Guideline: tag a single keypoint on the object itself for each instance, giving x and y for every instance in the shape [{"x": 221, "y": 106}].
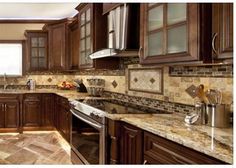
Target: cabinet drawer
[
  {"x": 32, "y": 97},
  {"x": 164, "y": 151},
  {"x": 9, "y": 96}
]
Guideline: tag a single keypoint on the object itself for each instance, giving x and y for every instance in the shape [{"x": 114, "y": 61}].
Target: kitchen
[{"x": 116, "y": 83}]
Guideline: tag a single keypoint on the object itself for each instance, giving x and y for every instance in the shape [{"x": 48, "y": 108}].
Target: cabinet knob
[
  {"x": 213, "y": 43},
  {"x": 145, "y": 162}
]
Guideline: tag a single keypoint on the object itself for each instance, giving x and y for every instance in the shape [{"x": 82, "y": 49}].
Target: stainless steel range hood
[{"x": 122, "y": 41}]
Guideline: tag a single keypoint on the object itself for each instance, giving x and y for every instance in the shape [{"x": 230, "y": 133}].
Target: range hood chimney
[{"x": 123, "y": 33}]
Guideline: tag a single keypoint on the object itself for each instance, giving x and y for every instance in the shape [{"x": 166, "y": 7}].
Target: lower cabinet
[
  {"x": 158, "y": 150},
  {"x": 32, "y": 112},
  {"x": 131, "y": 145},
  {"x": 136, "y": 146},
  {"x": 48, "y": 110},
  {"x": 9, "y": 112},
  {"x": 63, "y": 117}
]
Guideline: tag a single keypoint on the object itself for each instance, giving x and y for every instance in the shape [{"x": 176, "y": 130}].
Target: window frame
[{"x": 22, "y": 42}]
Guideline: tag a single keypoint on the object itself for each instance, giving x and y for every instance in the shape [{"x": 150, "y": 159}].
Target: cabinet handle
[
  {"x": 145, "y": 162},
  {"x": 177, "y": 160},
  {"x": 5, "y": 107},
  {"x": 140, "y": 50},
  {"x": 213, "y": 43}
]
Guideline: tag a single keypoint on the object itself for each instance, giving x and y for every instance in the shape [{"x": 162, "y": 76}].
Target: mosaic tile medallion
[{"x": 146, "y": 80}]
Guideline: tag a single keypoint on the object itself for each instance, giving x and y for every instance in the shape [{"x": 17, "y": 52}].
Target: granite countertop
[
  {"x": 69, "y": 94},
  {"x": 214, "y": 142}
]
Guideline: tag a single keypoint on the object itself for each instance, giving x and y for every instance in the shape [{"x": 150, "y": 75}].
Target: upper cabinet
[
  {"x": 169, "y": 32},
  {"x": 74, "y": 45},
  {"x": 93, "y": 36},
  {"x": 37, "y": 50},
  {"x": 222, "y": 30},
  {"x": 58, "y": 46}
]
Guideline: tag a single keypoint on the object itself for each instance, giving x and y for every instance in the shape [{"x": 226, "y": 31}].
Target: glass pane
[
  {"x": 82, "y": 57},
  {"x": 41, "y": 41},
  {"x": 88, "y": 15},
  {"x": 34, "y": 52},
  {"x": 176, "y": 12},
  {"x": 41, "y": 52},
  {"x": 34, "y": 42},
  {"x": 155, "y": 18},
  {"x": 155, "y": 44},
  {"x": 88, "y": 59},
  {"x": 82, "y": 32},
  {"x": 82, "y": 45},
  {"x": 82, "y": 18},
  {"x": 42, "y": 63},
  {"x": 34, "y": 62},
  {"x": 88, "y": 42},
  {"x": 177, "y": 39},
  {"x": 88, "y": 29}
]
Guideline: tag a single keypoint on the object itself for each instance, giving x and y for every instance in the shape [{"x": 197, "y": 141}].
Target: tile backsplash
[{"x": 174, "y": 86}]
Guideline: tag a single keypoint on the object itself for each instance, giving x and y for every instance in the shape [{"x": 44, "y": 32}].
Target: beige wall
[{"x": 16, "y": 31}]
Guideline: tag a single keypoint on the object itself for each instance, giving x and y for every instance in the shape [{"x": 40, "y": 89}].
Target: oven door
[{"x": 87, "y": 138}]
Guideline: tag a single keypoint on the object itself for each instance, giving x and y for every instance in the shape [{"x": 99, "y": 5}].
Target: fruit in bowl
[{"x": 65, "y": 85}]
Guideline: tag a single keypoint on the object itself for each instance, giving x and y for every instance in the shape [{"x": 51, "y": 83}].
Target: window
[{"x": 11, "y": 58}]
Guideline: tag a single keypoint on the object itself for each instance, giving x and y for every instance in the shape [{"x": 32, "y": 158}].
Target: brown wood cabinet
[
  {"x": 158, "y": 150},
  {"x": 32, "y": 111},
  {"x": 74, "y": 45},
  {"x": 131, "y": 145},
  {"x": 48, "y": 110},
  {"x": 173, "y": 33},
  {"x": 222, "y": 30},
  {"x": 107, "y": 7},
  {"x": 63, "y": 118},
  {"x": 9, "y": 112},
  {"x": 58, "y": 45},
  {"x": 93, "y": 37},
  {"x": 37, "y": 50}
]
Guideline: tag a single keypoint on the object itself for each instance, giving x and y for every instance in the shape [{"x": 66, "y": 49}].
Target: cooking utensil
[{"x": 201, "y": 94}]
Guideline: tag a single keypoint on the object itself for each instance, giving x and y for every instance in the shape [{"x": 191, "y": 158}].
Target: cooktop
[{"x": 113, "y": 106}]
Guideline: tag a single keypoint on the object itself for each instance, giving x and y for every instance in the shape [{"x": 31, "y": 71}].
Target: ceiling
[{"x": 37, "y": 11}]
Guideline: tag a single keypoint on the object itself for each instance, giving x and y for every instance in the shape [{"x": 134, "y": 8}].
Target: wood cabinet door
[
  {"x": 12, "y": 114},
  {"x": 32, "y": 112},
  {"x": 222, "y": 25},
  {"x": 57, "y": 47},
  {"x": 85, "y": 23},
  {"x": 62, "y": 122},
  {"x": 37, "y": 50},
  {"x": 2, "y": 115},
  {"x": 131, "y": 145},
  {"x": 169, "y": 32},
  {"x": 47, "y": 110}
]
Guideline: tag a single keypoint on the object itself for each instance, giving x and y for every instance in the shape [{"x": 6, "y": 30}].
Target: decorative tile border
[
  {"x": 145, "y": 80},
  {"x": 202, "y": 71},
  {"x": 152, "y": 103}
]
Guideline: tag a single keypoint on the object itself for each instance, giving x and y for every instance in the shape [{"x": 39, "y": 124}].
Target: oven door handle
[{"x": 88, "y": 122}]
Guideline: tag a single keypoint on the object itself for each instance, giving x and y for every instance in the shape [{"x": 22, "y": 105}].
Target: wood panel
[
  {"x": 58, "y": 46},
  {"x": 131, "y": 145},
  {"x": 47, "y": 110},
  {"x": 222, "y": 25},
  {"x": 163, "y": 151},
  {"x": 32, "y": 116},
  {"x": 12, "y": 114},
  {"x": 2, "y": 115},
  {"x": 107, "y": 7}
]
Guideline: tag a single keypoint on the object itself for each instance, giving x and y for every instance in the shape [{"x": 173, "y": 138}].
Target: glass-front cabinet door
[
  {"x": 168, "y": 32},
  {"x": 85, "y": 37},
  {"x": 37, "y": 50}
]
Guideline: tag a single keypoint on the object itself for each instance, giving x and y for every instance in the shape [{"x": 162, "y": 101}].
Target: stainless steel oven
[{"x": 88, "y": 137}]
